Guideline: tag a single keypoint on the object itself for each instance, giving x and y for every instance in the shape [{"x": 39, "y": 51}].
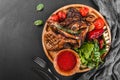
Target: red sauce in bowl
[{"x": 66, "y": 60}]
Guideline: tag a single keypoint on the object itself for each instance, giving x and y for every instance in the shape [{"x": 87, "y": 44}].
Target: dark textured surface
[{"x": 20, "y": 40}]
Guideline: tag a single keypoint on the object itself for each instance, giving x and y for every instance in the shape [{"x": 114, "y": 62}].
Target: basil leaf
[
  {"x": 40, "y": 7},
  {"x": 38, "y": 22}
]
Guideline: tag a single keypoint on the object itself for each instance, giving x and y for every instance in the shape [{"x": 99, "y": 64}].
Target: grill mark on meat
[{"x": 57, "y": 42}]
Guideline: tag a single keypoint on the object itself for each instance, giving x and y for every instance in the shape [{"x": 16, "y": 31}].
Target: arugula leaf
[{"x": 39, "y": 7}]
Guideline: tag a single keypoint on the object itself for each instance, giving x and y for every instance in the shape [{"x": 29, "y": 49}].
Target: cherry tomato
[
  {"x": 99, "y": 23},
  {"x": 84, "y": 11},
  {"x": 54, "y": 17},
  {"x": 61, "y": 15}
]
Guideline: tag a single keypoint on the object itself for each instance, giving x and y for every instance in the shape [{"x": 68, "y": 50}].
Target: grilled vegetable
[
  {"x": 90, "y": 18},
  {"x": 66, "y": 30},
  {"x": 95, "y": 34},
  {"x": 99, "y": 23},
  {"x": 54, "y": 17},
  {"x": 101, "y": 43},
  {"x": 61, "y": 15},
  {"x": 84, "y": 11}
]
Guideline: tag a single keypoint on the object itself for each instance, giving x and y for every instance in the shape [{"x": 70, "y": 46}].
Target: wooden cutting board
[{"x": 107, "y": 35}]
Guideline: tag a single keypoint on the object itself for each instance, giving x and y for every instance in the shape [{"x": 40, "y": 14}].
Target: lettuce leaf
[
  {"x": 85, "y": 52},
  {"x": 90, "y": 54}
]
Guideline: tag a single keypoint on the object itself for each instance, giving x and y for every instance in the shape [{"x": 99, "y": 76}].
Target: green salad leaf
[
  {"x": 85, "y": 52},
  {"x": 86, "y": 49},
  {"x": 102, "y": 51},
  {"x": 90, "y": 54},
  {"x": 96, "y": 48}
]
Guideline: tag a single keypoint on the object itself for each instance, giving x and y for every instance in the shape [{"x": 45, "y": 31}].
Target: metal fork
[{"x": 43, "y": 64}]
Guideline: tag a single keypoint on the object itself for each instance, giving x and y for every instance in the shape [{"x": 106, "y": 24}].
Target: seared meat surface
[
  {"x": 73, "y": 15},
  {"x": 57, "y": 41},
  {"x": 69, "y": 33}
]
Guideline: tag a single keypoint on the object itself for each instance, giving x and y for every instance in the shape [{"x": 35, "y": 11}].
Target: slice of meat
[
  {"x": 73, "y": 15},
  {"x": 79, "y": 43},
  {"x": 76, "y": 26},
  {"x": 72, "y": 12},
  {"x": 52, "y": 40},
  {"x": 58, "y": 30},
  {"x": 57, "y": 42},
  {"x": 66, "y": 22},
  {"x": 83, "y": 34},
  {"x": 67, "y": 35}
]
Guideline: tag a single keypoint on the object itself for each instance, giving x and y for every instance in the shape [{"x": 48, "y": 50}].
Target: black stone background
[{"x": 20, "y": 40}]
